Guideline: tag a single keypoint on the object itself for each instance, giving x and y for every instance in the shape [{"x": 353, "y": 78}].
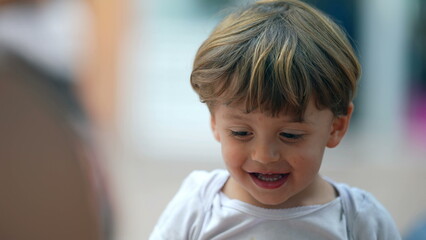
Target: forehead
[{"x": 237, "y": 112}]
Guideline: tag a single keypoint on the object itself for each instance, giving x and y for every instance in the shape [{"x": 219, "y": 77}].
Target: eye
[
  {"x": 241, "y": 134},
  {"x": 291, "y": 136}
]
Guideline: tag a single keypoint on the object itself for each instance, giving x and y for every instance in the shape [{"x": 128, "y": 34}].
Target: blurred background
[{"x": 115, "y": 75}]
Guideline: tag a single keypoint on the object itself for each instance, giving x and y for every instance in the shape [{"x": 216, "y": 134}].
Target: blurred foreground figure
[
  {"x": 51, "y": 185},
  {"x": 48, "y": 184}
]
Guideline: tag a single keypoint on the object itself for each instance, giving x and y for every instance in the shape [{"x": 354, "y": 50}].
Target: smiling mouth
[
  {"x": 269, "y": 180},
  {"x": 268, "y": 177}
]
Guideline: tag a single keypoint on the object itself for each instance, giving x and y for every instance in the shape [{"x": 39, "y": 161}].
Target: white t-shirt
[{"x": 201, "y": 211}]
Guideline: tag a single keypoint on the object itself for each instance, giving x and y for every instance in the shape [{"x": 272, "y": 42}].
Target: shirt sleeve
[
  {"x": 372, "y": 220},
  {"x": 178, "y": 221}
]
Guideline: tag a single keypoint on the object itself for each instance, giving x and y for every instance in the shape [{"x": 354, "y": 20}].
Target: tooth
[{"x": 264, "y": 177}]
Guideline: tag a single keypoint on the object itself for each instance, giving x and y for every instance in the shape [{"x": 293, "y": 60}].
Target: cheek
[
  {"x": 233, "y": 154},
  {"x": 307, "y": 158},
  {"x": 315, "y": 147}
]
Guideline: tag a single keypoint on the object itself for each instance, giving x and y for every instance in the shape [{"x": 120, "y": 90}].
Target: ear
[
  {"x": 339, "y": 127},
  {"x": 214, "y": 128}
]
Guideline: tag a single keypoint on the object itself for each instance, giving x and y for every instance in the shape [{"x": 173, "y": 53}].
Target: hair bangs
[{"x": 268, "y": 78}]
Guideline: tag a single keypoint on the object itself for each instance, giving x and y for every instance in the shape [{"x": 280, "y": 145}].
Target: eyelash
[
  {"x": 244, "y": 135},
  {"x": 240, "y": 133},
  {"x": 291, "y": 136}
]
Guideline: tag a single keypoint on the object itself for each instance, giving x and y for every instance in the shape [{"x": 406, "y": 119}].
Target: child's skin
[{"x": 287, "y": 152}]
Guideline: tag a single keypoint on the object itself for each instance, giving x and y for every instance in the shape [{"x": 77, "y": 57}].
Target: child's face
[{"x": 274, "y": 161}]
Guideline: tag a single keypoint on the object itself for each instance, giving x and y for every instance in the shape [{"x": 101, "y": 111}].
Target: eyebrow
[{"x": 235, "y": 116}]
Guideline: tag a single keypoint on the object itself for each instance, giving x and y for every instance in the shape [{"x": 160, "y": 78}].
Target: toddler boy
[{"x": 278, "y": 78}]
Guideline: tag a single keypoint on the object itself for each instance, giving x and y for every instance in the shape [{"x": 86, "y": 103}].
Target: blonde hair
[{"x": 274, "y": 55}]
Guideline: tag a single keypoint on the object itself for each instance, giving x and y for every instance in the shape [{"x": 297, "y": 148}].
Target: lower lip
[{"x": 269, "y": 185}]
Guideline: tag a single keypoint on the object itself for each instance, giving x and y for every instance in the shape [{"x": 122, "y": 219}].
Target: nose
[{"x": 265, "y": 152}]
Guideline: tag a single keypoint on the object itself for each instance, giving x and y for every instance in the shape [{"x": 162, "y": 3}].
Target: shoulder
[
  {"x": 201, "y": 178},
  {"x": 367, "y": 218},
  {"x": 203, "y": 184},
  {"x": 199, "y": 184},
  {"x": 180, "y": 219}
]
